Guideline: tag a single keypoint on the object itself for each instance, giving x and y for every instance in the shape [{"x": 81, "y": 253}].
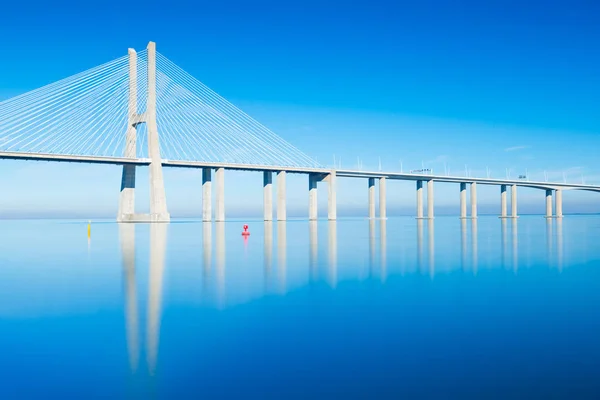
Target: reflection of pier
[
  {"x": 463, "y": 243},
  {"x": 515, "y": 248},
  {"x": 206, "y": 253},
  {"x": 220, "y": 260},
  {"x": 127, "y": 239},
  {"x": 313, "y": 251},
  {"x": 559, "y": 243},
  {"x": 268, "y": 253},
  {"x": 158, "y": 242},
  {"x": 371, "y": 247},
  {"x": 420, "y": 245},
  {"x": 281, "y": 255},
  {"x": 383, "y": 248},
  {"x": 464, "y": 252},
  {"x": 474, "y": 251},
  {"x": 333, "y": 253},
  {"x": 554, "y": 243},
  {"x": 503, "y": 243},
  {"x": 549, "y": 241},
  {"x": 430, "y": 247}
]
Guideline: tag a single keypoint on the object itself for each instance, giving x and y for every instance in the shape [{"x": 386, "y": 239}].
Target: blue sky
[{"x": 496, "y": 84}]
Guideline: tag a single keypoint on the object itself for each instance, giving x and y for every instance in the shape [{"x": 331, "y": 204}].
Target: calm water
[{"x": 353, "y": 309}]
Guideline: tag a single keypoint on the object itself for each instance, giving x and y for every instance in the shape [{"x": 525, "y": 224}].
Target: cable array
[
  {"x": 85, "y": 114},
  {"x": 195, "y": 123}
]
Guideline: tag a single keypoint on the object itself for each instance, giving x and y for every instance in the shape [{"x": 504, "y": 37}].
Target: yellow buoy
[{"x": 89, "y": 228}]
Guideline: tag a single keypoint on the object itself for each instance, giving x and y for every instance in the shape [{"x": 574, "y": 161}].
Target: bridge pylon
[{"x": 158, "y": 202}]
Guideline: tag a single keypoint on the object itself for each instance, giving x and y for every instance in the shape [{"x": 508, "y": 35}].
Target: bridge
[{"x": 142, "y": 110}]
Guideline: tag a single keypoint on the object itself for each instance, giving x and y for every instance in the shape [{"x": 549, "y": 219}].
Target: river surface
[{"x": 443, "y": 309}]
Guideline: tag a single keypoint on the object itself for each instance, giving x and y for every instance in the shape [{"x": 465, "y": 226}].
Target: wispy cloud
[
  {"x": 516, "y": 148},
  {"x": 438, "y": 159}
]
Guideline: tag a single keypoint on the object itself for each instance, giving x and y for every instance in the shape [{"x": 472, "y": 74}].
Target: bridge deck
[{"x": 346, "y": 173}]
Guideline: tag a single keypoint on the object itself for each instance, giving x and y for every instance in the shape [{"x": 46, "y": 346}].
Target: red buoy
[{"x": 245, "y": 232}]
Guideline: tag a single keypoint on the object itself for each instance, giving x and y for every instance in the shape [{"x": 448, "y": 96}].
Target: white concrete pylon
[
  {"x": 474, "y": 200},
  {"x": 463, "y": 200},
  {"x": 281, "y": 196},
  {"x": 206, "y": 194},
  {"x": 382, "y": 198},
  {"x": 158, "y": 201},
  {"x": 371, "y": 198},
  {"x": 419, "y": 199},
  {"x": 312, "y": 197},
  {"x": 268, "y": 195},
  {"x": 127, "y": 196}
]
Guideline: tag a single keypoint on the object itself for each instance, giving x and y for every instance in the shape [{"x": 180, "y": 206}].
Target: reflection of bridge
[
  {"x": 105, "y": 115},
  {"x": 422, "y": 256}
]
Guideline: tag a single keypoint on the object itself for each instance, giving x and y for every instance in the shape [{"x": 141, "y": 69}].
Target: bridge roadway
[{"x": 346, "y": 173}]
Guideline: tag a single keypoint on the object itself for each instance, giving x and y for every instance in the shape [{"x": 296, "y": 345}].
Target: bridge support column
[
  {"x": 332, "y": 198},
  {"x": 474, "y": 200},
  {"x": 558, "y": 205},
  {"x": 371, "y": 198},
  {"x": 382, "y": 198},
  {"x": 312, "y": 197},
  {"x": 549, "y": 203},
  {"x": 158, "y": 201},
  {"x": 430, "y": 199},
  {"x": 513, "y": 201},
  {"x": 220, "y": 205},
  {"x": 503, "y": 201},
  {"x": 281, "y": 207},
  {"x": 268, "y": 195},
  {"x": 419, "y": 199},
  {"x": 206, "y": 195},
  {"x": 463, "y": 200},
  {"x": 127, "y": 196}
]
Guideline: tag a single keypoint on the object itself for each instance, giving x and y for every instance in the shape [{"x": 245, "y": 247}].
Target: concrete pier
[
  {"x": 513, "y": 201},
  {"x": 332, "y": 199},
  {"x": 474, "y": 200},
  {"x": 503, "y": 201},
  {"x": 382, "y": 198},
  {"x": 371, "y": 198},
  {"x": 220, "y": 200},
  {"x": 281, "y": 207},
  {"x": 268, "y": 195},
  {"x": 549, "y": 204},
  {"x": 206, "y": 195},
  {"x": 558, "y": 204},
  {"x": 430, "y": 199},
  {"x": 158, "y": 201},
  {"x": 463, "y": 200},
  {"x": 127, "y": 196},
  {"x": 312, "y": 197},
  {"x": 419, "y": 199}
]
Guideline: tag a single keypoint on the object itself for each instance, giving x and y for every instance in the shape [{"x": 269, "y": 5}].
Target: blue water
[{"x": 444, "y": 309}]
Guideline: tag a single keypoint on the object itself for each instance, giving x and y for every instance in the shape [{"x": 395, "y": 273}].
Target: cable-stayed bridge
[{"x": 143, "y": 110}]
